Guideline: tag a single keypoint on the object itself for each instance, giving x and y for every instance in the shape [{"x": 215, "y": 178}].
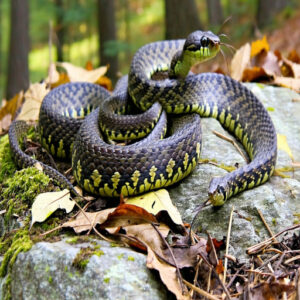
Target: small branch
[
  {"x": 230, "y": 140},
  {"x": 200, "y": 291},
  {"x": 227, "y": 244},
  {"x": 254, "y": 249},
  {"x": 266, "y": 224},
  {"x": 172, "y": 255}
]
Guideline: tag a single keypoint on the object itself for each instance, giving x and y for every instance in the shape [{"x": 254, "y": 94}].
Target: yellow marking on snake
[
  {"x": 135, "y": 177},
  {"x": 74, "y": 114},
  {"x": 96, "y": 178},
  {"x": 52, "y": 149},
  {"x": 152, "y": 173},
  {"x": 227, "y": 120},
  {"x": 170, "y": 167},
  {"x": 79, "y": 170},
  {"x": 115, "y": 179},
  {"x": 61, "y": 153},
  {"x": 186, "y": 160},
  {"x": 215, "y": 111}
]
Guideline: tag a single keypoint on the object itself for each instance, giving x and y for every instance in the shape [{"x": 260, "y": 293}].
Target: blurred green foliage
[{"x": 137, "y": 22}]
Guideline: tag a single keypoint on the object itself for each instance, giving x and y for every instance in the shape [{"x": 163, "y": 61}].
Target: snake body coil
[{"x": 151, "y": 163}]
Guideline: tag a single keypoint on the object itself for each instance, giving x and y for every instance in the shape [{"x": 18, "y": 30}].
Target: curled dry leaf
[
  {"x": 33, "y": 99},
  {"x": 85, "y": 221},
  {"x": 259, "y": 46},
  {"x": 47, "y": 203},
  {"x": 155, "y": 202},
  {"x": 80, "y": 74},
  {"x": 240, "y": 61},
  {"x": 128, "y": 214},
  {"x": 11, "y": 106}
]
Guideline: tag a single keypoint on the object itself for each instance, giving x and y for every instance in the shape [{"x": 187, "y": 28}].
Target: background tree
[
  {"x": 59, "y": 29},
  {"x": 0, "y": 39},
  {"x": 266, "y": 10},
  {"x": 18, "y": 74},
  {"x": 181, "y": 18},
  {"x": 107, "y": 34},
  {"x": 215, "y": 12}
]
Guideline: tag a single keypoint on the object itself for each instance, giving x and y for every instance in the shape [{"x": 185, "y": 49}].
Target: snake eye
[
  {"x": 204, "y": 41},
  {"x": 192, "y": 47}
]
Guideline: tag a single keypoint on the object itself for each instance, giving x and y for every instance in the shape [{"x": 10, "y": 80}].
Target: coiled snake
[{"x": 110, "y": 170}]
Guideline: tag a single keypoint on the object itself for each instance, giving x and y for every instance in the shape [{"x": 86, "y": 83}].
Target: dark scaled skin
[{"x": 111, "y": 170}]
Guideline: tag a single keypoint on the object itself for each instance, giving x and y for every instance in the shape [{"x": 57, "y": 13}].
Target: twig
[
  {"x": 172, "y": 255},
  {"x": 260, "y": 273},
  {"x": 200, "y": 291},
  {"x": 298, "y": 284},
  {"x": 230, "y": 140},
  {"x": 196, "y": 273},
  {"x": 221, "y": 283},
  {"x": 266, "y": 224},
  {"x": 292, "y": 259},
  {"x": 234, "y": 277},
  {"x": 257, "y": 247},
  {"x": 227, "y": 244},
  {"x": 209, "y": 280}
]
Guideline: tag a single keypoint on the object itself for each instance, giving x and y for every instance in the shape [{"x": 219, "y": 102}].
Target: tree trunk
[
  {"x": 266, "y": 9},
  {"x": 107, "y": 32},
  {"x": 1, "y": 60},
  {"x": 215, "y": 12},
  {"x": 60, "y": 30},
  {"x": 181, "y": 18},
  {"x": 18, "y": 73}
]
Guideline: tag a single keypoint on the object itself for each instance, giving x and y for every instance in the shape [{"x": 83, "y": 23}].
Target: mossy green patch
[
  {"x": 7, "y": 166},
  {"x": 6, "y": 289},
  {"x": 19, "y": 191},
  {"x": 83, "y": 256},
  {"x": 22, "y": 186},
  {"x": 106, "y": 279},
  {"x": 130, "y": 258},
  {"x": 21, "y": 242}
]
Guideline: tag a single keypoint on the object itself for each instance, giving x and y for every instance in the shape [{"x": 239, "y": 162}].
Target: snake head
[
  {"x": 218, "y": 192},
  {"x": 202, "y": 45},
  {"x": 198, "y": 47}
]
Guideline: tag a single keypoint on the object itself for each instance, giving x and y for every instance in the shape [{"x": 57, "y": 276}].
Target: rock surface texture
[{"x": 46, "y": 271}]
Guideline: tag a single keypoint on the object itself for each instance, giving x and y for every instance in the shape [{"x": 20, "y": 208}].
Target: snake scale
[{"x": 107, "y": 169}]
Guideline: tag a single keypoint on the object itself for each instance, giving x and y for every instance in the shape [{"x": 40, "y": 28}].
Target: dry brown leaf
[
  {"x": 80, "y": 74},
  {"x": 294, "y": 57},
  {"x": 128, "y": 214},
  {"x": 292, "y": 83},
  {"x": 86, "y": 221},
  {"x": 187, "y": 257},
  {"x": 5, "y": 123},
  {"x": 294, "y": 67},
  {"x": 167, "y": 274},
  {"x": 269, "y": 62},
  {"x": 240, "y": 61},
  {"x": 156, "y": 202},
  {"x": 250, "y": 74},
  {"x": 33, "y": 99},
  {"x": 53, "y": 75},
  {"x": 105, "y": 82},
  {"x": 11, "y": 106},
  {"x": 147, "y": 234},
  {"x": 63, "y": 78},
  {"x": 259, "y": 46}
]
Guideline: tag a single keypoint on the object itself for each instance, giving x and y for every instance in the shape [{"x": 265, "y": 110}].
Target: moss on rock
[
  {"x": 21, "y": 242},
  {"x": 7, "y": 166}
]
